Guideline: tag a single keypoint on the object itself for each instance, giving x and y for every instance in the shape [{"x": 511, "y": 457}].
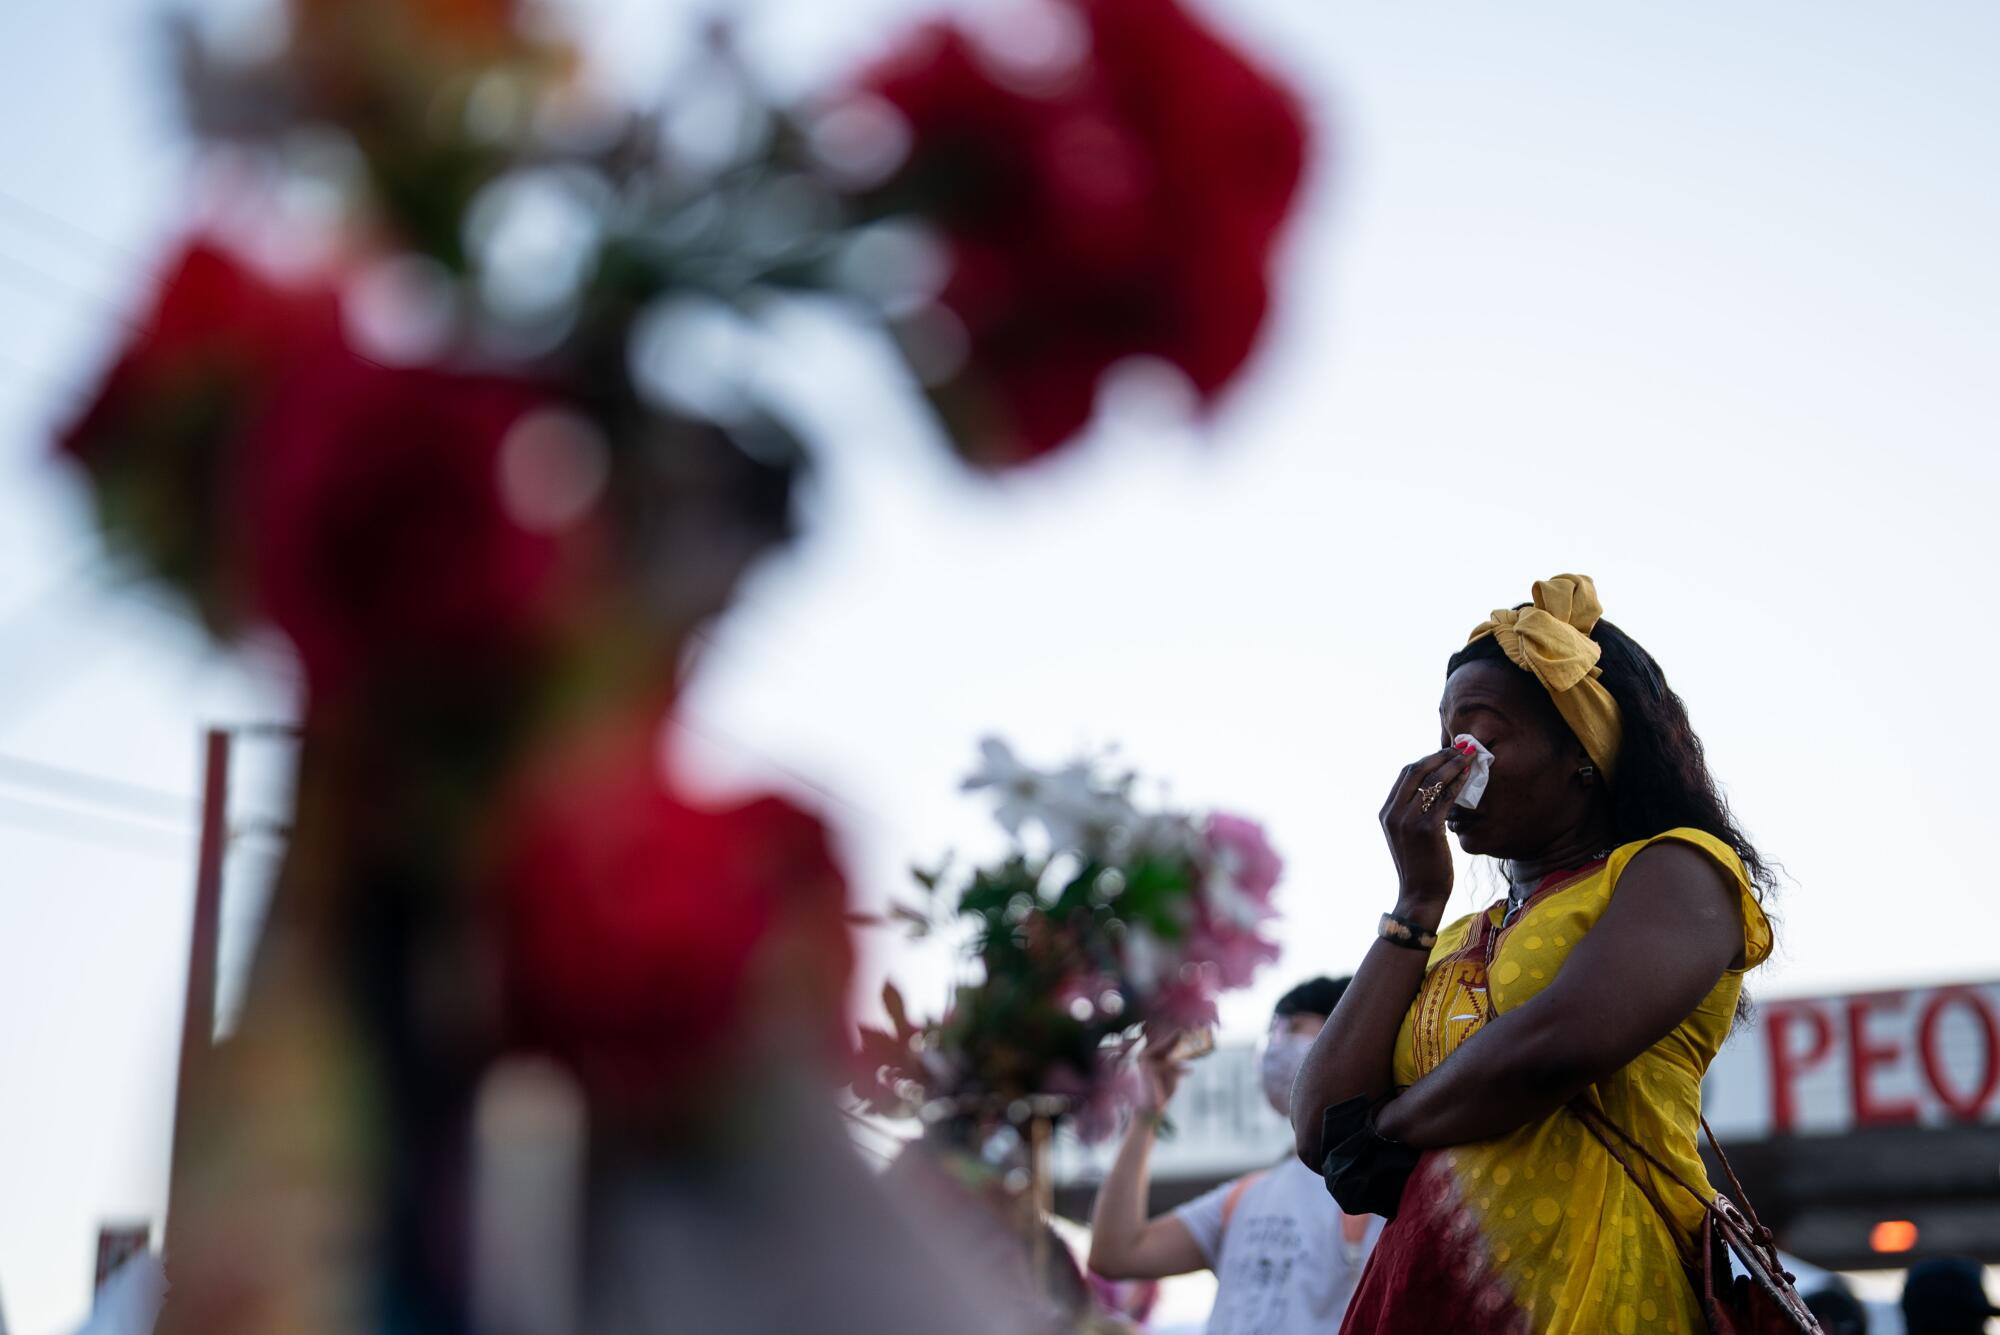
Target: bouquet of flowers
[
  {"x": 469, "y": 382},
  {"x": 1104, "y": 920},
  {"x": 466, "y": 385}
]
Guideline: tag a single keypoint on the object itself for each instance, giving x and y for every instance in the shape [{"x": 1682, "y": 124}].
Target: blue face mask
[{"x": 1284, "y": 1053}]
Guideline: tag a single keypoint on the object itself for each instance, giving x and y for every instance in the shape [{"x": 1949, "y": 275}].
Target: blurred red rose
[
  {"x": 380, "y": 540},
  {"x": 161, "y": 436},
  {"x": 242, "y": 449},
  {"x": 1127, "y": 206},
  {"x": 645, "y": 935}
]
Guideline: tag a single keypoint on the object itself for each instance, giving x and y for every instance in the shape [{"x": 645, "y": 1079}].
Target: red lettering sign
[
  {"x": 1965, "y": 1106},
  {"x": 1865, "y": 1054},
  {"x": 1786, "y": 1066}
]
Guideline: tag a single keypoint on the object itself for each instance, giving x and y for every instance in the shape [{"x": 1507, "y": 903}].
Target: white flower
[
  {"x": 1019, "y": 786},
  {"x": 1075, "y": 807},
  {"x": 1079, "y": 811}
]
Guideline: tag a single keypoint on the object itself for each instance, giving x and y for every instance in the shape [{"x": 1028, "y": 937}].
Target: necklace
[{"x": 1518, "y": 896}]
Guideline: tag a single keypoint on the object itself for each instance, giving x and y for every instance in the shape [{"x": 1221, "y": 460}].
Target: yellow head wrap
[{"x": 1551, "y": 640}]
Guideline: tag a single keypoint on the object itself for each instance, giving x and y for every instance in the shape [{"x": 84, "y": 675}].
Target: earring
[{"x": 1588, "y": 774}]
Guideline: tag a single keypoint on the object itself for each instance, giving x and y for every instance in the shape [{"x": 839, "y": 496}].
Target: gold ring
[{"x": 1430, "y": 794}]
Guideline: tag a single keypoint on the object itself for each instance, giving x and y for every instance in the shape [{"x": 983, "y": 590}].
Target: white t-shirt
[{"x": 1282, "y": 1265}]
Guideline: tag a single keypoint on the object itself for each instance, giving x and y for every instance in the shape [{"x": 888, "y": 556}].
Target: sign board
[
  {"x": 1803, "y": 1066},
  {"x": 1820, "y": 1066}
]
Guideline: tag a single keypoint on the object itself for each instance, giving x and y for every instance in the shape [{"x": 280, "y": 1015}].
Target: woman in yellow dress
[{"x": 1508, "y": 1087}]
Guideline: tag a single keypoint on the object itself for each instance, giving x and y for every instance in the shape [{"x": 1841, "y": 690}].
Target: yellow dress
[{"x": 1541, "y": 1230}]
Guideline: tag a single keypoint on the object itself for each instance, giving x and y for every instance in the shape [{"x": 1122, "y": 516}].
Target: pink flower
[
  {"x": 1188, "y": 1002},
  {"x": 1240, "y": 849},
  {"x": 1234, "y": 952},
  {"x": 1115, "y": 1089}
]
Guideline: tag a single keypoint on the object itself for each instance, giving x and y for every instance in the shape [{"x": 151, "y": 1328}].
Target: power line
[
  {"x": 29, "y": 278},
  {"x": 54, "y": 224},
  {"x": 92, "y": 828},
  {"x": 161, "y": 803}
]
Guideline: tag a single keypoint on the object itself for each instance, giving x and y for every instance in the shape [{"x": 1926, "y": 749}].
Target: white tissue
[{"x": 1482, "y": 766}]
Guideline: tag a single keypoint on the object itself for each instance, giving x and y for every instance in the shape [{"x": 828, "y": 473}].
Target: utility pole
[{"x": 198, "y": 1015}]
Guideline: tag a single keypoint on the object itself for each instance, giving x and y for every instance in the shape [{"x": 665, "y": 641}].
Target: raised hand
[{"x": 1413, "y": 822}]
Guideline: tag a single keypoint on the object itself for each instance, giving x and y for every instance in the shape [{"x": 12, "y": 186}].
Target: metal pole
[{"x": 198, "y": 1014}]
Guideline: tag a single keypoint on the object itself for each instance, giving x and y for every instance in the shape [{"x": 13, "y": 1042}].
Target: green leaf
[
  {"x": 1076, "y": 895},
  {"x": 892, "y": 1001}
]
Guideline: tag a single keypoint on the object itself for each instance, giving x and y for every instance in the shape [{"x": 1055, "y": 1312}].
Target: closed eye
[{"x": 1463, "y": 719}]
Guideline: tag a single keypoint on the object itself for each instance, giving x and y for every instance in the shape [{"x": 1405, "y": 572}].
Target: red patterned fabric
[{"x": 1430, "y": 1271}]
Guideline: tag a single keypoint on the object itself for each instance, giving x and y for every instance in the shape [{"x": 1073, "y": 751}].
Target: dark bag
[
  {"x": 1760, "y": 1301},
  {"x": 1364, "y": 1171}
]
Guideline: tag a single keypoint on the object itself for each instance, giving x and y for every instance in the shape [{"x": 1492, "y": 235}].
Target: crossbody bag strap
[
  {"x": 1741, "y": 1199},
  {"x": 1596, "y": 1122},
  {"x": 1235, "y": 1196}
]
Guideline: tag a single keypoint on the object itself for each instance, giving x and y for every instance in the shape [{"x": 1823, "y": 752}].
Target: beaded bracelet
[{"x": 1402, "y": 932}]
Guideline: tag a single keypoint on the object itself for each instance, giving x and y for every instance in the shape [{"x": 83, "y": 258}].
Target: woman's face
[{"x": 1533, "y": 799}]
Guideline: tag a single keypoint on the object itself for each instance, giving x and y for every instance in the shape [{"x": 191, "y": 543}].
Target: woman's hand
[
  {"x": 1124, "y": 1243},
  {"x": 1413, "y": 821},
  {"x": 1353, "y": 1057}
]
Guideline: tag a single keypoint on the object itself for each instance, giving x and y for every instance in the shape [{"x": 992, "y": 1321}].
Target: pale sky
[{"x": 1700, "y": 300}]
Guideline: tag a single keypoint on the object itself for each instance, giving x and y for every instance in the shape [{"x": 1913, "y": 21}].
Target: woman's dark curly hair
[{"x": 1663, "y": 780}]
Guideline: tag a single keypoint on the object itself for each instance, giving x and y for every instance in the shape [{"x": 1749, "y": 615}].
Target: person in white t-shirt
[{"x": 1285, "y": 1258}]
